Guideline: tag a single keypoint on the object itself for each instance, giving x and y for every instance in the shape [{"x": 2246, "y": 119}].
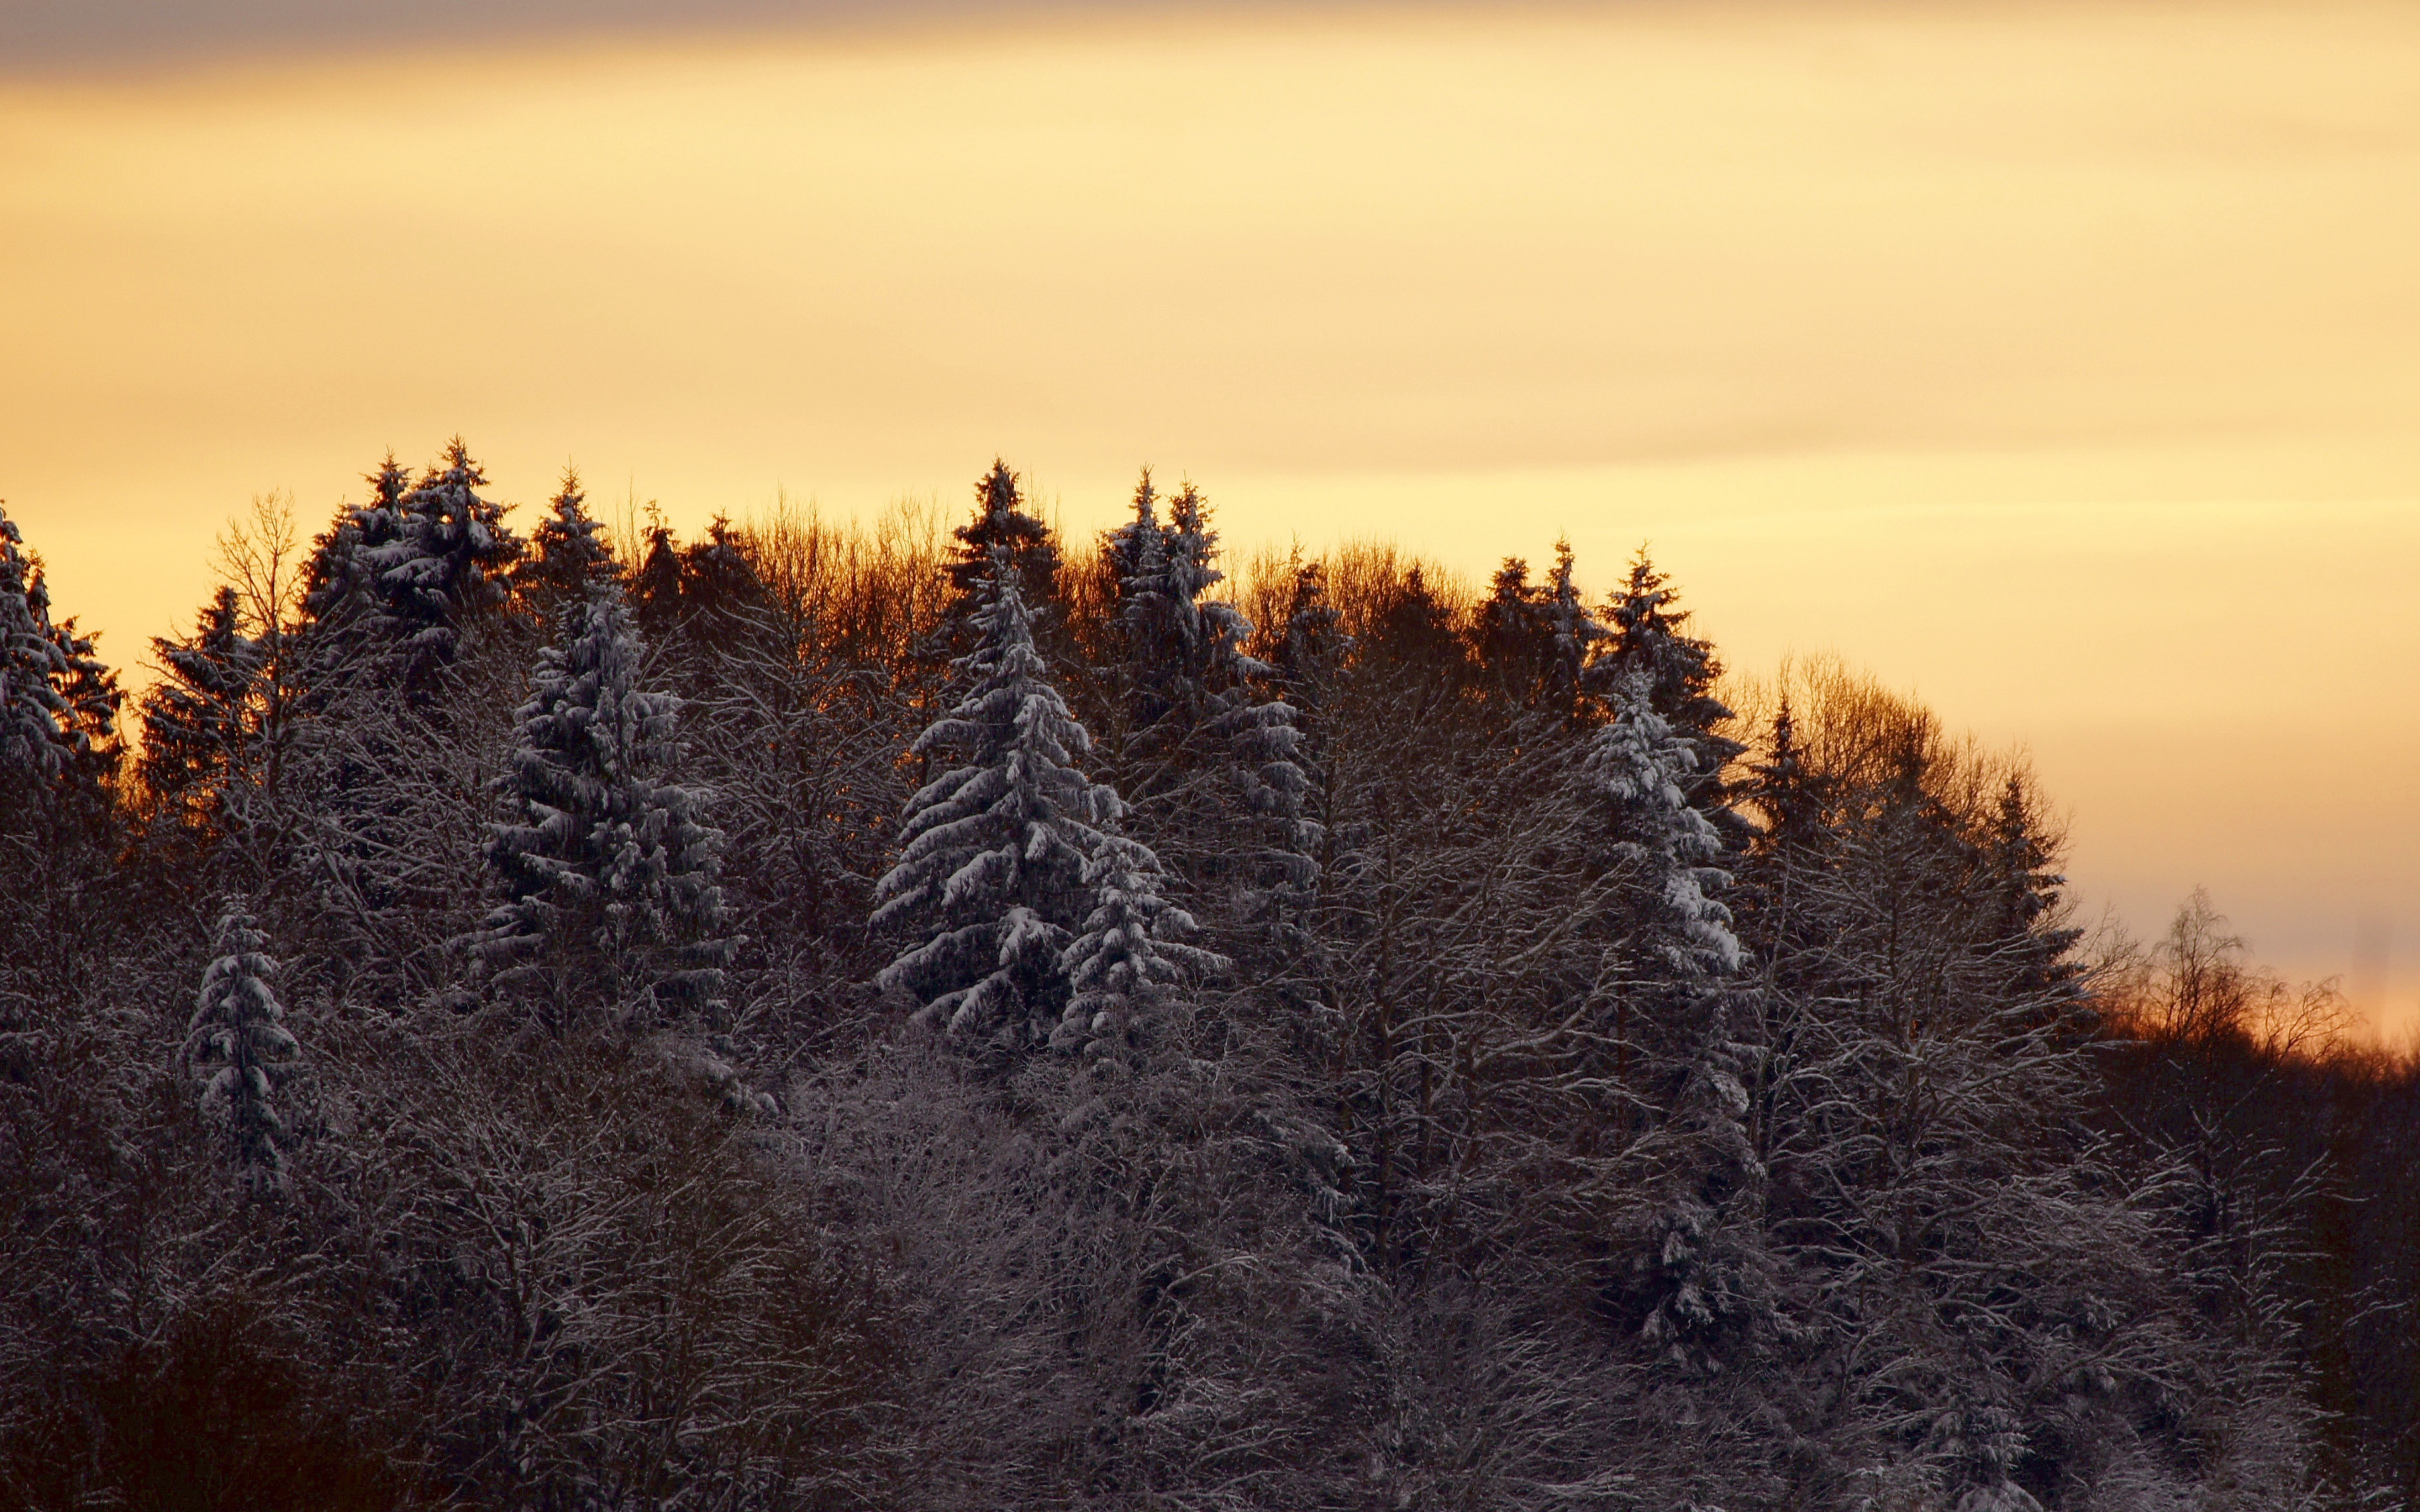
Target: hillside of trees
[{"x": 927, "y": 1014}]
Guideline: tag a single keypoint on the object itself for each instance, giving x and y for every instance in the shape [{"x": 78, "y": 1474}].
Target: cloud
[{"x": 39, "y": 35}]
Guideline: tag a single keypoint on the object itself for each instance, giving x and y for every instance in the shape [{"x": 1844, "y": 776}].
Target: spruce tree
[
  {"x": 1215, "y": 774},
  {"x": 242, "y": 1053},
  {"x": 989, "y": 886},
  {"x": 1707, "y": 1278},
  {"x": 1664, "y": 849},
  {"x": 656, "y": 585},
  {"x": 448, "y": 563},
  {"x": 394, "y": 580},
  {"x": 1573, "y": 635},
  {"x": 195, "y": 718},
  {"x": 1508, "y": 632},
  {"x": 1132, "y": 950},
  {"x": 342, "y": 601},
  {"x": 1001, "y": 524},
  {"x": 58, "y": 702},
  {"x": 609, "y": 873},
  {"x": 1650, "y": 644},
  {"x": 568, "y": 556}
]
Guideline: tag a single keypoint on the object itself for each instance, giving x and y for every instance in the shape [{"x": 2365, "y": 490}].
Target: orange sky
[{"x": 2059, "y": 361}]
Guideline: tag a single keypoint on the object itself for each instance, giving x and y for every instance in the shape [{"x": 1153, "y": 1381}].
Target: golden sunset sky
[{"x": 2059, "y": 362}]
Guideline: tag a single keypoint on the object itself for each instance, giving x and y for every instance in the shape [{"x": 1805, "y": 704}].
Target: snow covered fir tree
[{"x": 939, "y": 1012}]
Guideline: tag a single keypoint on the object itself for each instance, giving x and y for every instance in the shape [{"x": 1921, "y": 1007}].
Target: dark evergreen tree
[
  {"x": 1572, "y": 638},
  {"x": 1650, "y": 641},
  {"x": 656, "y": 585},
  {"x": 608, "y": 869},
  {"x": 1211, "y": 769},
  {"x": 1001, "y": 524},
  {"x": 242, "y": 1054},
  {"x": 1663, "y": 848},
  {"x": 1132, "y": 950},
  {"x": 989, "y": 884},
  {"x": 1508, "y": 636},
  {"x": 568, "y": 556},
  {"x": 58, "y": 703},
  {"x": 394, "y": 580},
  {"x": 195, "y": 720}
]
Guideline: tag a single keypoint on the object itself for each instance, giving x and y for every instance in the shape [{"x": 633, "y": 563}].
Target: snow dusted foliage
[
  {"x": 57, "y": 699},
  {"x": 608, "y": 871},
  {"x": 195, "y": 720},
  {"x": 394, "y": 580},
  {"x": 1534, "y": 641},
  {"x": 1707, "y": 1276},
  {"x": 990, "y": 883},
  {"x": 1650, "y": 642},
  {"x": 242, "y": 1053},
  {"x": 1133, "y": 947},
  {"x": 1214, "y": 767},
  {"x": 569, "y": 555},
  {"x": 1572, "y": 635},
  {"x": 1640, "y": 766},
  {"x": 1002, "y": 524}
]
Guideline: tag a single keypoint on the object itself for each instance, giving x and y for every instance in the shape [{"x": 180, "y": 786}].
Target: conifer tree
[
  {"x": 242, "y": 1053},
  {"x": 1708, "y": 1278},
  {"x": 1507, "y": 633},
  {"x": 2024, "y": 871},
  {"x": 341, "y": 594},
  {"x": 58, "y": 702},
  {"x": 1150, "y": 634},
  {"x": 656, "y": 585},
  {"x": 1003, "y": 524},
  {"x": 194, "y": 717},
  {"x": 1649, "y": 642},
  {"x": 607, "y": 869},
  {"x": 1573, "y": 634},
  {"x": 1133, "y": 947},
  {"x": 1665, "y": 846},
  {"x": 1311, "y": 644},
  {"x": 716, "y": 579},
  {"x": 394, "y": 579},
  {"x": 568, "y": 556},
  {"x": 989, "y": 886},
  {"x": 1219, "y": 777}
]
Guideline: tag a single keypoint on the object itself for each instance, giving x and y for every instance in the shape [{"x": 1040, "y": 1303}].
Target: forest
[{"x": 923, "y": 1012}]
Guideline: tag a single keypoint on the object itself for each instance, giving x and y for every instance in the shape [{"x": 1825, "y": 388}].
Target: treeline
[{"x": 895, "y": 1016}]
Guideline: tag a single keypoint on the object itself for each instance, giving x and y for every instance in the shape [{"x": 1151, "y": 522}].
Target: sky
[{"x": 2059, "y": 364}]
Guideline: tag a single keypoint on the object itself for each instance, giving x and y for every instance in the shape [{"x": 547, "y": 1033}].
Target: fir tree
[
  {"x": 58, "y": 702},
  {"x": 242, "y": 1053},
  {"x": 1149, "y": 632},
  {"x": 1572, "y": 635},
  {"x": 1649, "y": 643},
  {"x": 1311, "y": 644},
  {"x": 989, "y": 884},
  {"x": 1132, "y": 948},
  {"x": 1219, "y": 762},
  {"x": 1665, "y": 848},
  {"x": 608, "y": 872},
  {"x": 1708, "y": 1279},
  {"x": 195, "y": 720},
  {"x": 342, "y": 600},
  {"x": 717, "y": 580},
  {"x": 568, "y": 556},
  {"x": 1001, "y": 524},
  {"x": 2024, "y": 873},
  {"x": 394, "y": 580},
  {"x": 446, "y": 563},
  {"x": 656, "y": 586},
  {"x": 1508, "y": 631}
]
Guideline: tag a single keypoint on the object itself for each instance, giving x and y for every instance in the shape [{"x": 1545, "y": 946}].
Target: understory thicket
[{"x": 931, "y": 1014}]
